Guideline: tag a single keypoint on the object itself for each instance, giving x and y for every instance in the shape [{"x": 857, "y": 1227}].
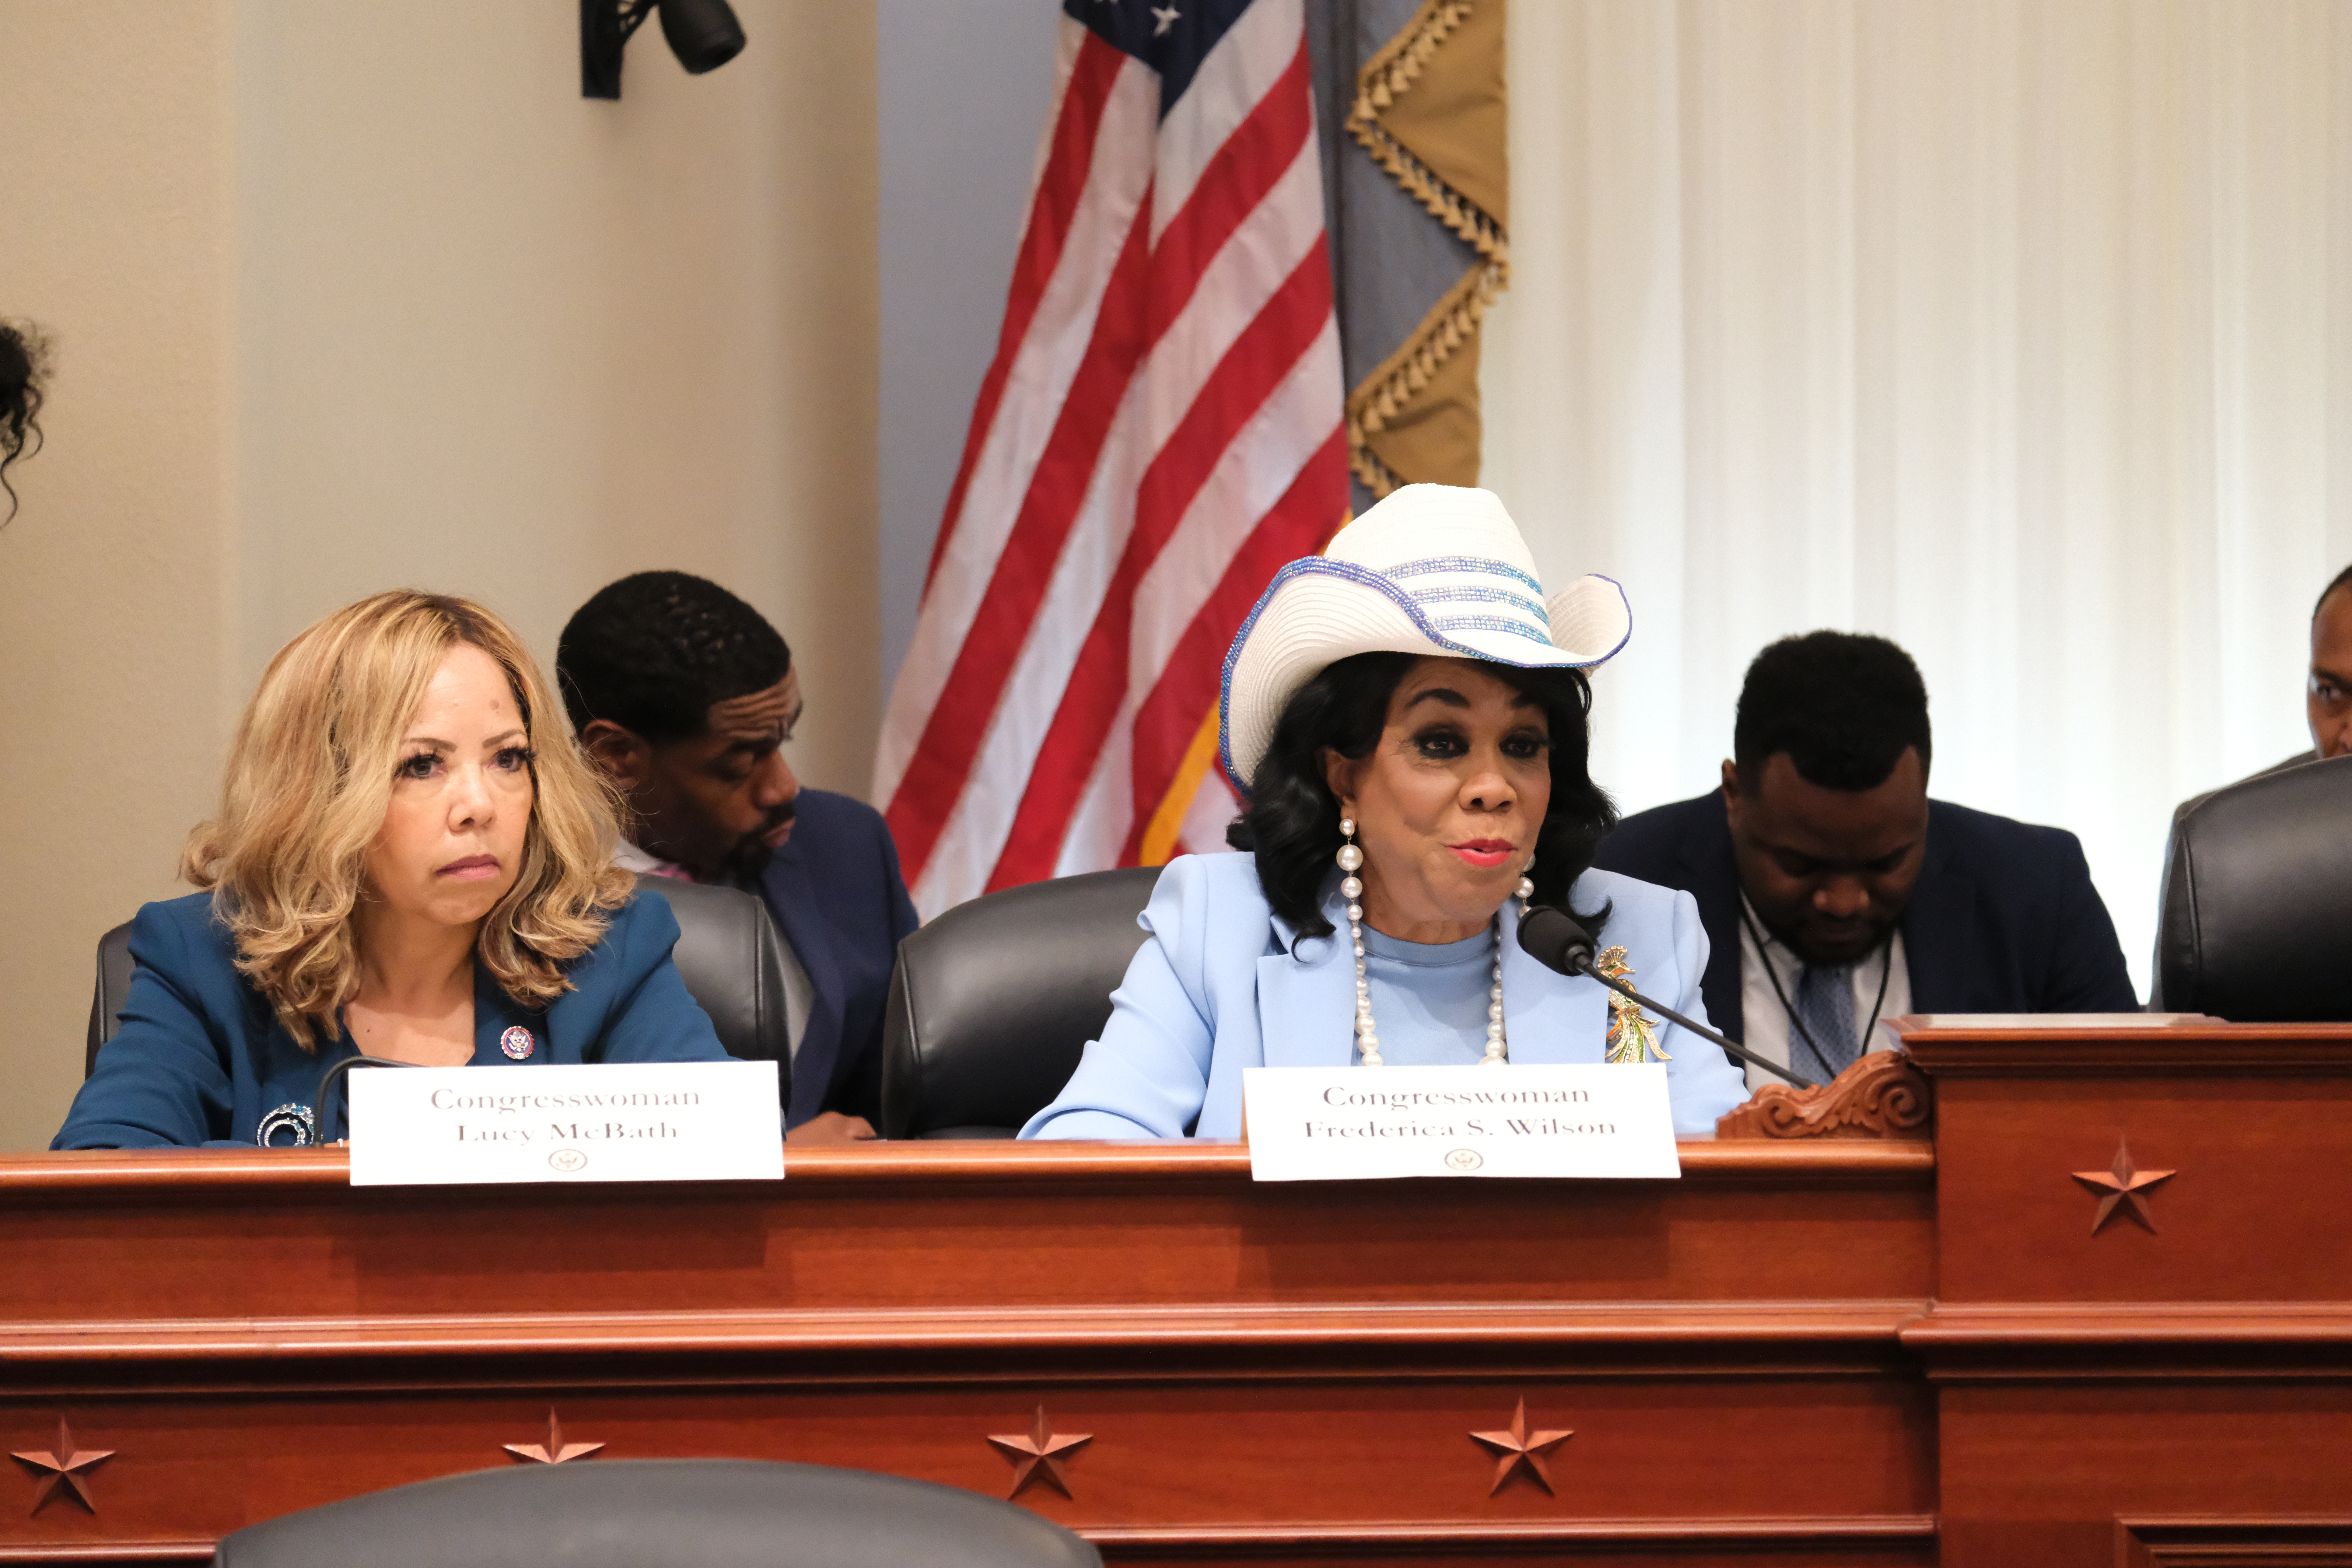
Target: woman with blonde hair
[{"x": 410, "y": 861}]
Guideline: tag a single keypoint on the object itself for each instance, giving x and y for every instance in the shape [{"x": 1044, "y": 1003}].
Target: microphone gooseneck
[
  {"x": 1556, "y": 940},
  {"x": 335, "y": 1074}
]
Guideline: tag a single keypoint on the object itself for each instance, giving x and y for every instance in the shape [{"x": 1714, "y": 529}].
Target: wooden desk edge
[
  {"x": 2050, "y": 1046},
  {"x": 1131, "y": 1541},
  {"x": 110, "y": 1169},
  {"x": 1357, "y": 1325}
]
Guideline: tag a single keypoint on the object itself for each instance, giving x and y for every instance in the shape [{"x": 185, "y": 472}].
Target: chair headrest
[
  {"x": 994, "y": 1002},
  {"x": 2257, "y": 923},
  {"x": 713, "y": 1514}
]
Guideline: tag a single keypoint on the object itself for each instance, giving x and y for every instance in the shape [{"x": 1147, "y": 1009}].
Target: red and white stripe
[{"x": 1159, "y": 432}]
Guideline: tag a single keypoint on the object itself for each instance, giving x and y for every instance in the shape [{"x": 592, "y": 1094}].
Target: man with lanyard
[{"x": 1836, "y": 895}]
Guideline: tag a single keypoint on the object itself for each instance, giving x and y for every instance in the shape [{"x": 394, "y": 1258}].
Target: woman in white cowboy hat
[{"x": 1405, "y": 716}]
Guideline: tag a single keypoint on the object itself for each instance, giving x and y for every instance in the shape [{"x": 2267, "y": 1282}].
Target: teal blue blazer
[
  {"x": 201, "y": 1058},
  {"x": 1223, "y": 984}
]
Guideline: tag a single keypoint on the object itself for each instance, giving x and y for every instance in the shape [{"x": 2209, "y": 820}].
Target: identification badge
[
  {"x": 644, "y": 1122},
  {"x": 1332, "y": 1124}
]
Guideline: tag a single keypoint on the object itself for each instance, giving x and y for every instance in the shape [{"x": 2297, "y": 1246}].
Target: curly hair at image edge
[
  {"x": 310, "y": 781},
  {"x": 24, "y": 384},
  {"x": 1292, "y": 819}
]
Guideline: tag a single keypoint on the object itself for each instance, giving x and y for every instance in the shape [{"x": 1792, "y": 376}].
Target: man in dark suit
[
  {"x": 1835, "y": 893},
  {"x": 2326, "y": 688},
  {"x": 685, "y": 695}
]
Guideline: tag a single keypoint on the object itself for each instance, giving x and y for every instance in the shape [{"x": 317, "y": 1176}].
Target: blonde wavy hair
[{"x": 309, "y": 785}]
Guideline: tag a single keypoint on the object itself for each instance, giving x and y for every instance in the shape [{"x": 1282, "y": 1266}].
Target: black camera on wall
[{"x": 703, "y": 34}]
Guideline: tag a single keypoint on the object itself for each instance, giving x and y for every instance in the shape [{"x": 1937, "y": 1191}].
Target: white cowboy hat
[{"x": 1438, "y": 570}]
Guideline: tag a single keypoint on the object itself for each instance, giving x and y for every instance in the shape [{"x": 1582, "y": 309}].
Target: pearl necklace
[{"x": 1367, "y": 1036}]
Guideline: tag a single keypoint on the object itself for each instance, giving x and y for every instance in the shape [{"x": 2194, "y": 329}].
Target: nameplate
[
  {"x": 657, "y": 1121},
  {"x": 1338, "y": 1124}
]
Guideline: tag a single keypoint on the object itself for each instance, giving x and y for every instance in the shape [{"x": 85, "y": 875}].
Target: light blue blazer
[{"x": 1217, "y": 988}]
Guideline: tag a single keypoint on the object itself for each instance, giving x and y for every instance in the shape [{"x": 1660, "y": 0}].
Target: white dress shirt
[
  {"x": 799, "y": 995},
  {"x": 1766, "y": 1019}
]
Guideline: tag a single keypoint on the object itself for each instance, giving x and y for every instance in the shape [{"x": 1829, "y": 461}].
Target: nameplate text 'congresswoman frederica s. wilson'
[
  {"x": 1353, "y": 1123},
  {"x": 641, "y": 1122}
]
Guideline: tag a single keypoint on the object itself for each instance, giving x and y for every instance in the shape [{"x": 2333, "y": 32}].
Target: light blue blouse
[
  {"x": 1429, "y": 999},
  {"x": 1222, "y": 985}
]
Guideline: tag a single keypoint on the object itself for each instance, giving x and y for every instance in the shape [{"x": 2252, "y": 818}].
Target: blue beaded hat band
[{"x": 1432, "y": 569}]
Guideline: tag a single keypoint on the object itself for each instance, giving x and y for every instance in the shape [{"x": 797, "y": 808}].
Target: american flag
[{"x": 1158, "y": 433}]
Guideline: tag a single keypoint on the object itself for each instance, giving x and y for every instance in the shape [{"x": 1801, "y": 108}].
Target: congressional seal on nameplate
[{"x": 1342, "y": 1123}]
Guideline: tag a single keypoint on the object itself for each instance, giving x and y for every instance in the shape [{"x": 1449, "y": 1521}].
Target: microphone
[
  {"x": 334, "y": 1074},
  {"x": 1554, "y": 939}
]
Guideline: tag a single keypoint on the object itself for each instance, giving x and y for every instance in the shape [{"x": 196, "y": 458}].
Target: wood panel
[
  {"x": 2248, "y": 1116},
  {"x": 2224, "y": 1542},
  {"x": 1197, "y": 1459},
  {"x": 1836, "y": 1350},
  {"x": 1269, "y": 1373},
  {"x": 278, "y": 1234},
  {"x": 2203, "y": 1366}
]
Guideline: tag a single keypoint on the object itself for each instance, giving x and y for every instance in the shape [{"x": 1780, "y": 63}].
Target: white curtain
[{"x": 2017, "y": 330}]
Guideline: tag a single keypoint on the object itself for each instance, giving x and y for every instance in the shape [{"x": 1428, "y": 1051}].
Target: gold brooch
[{"x": 1633, "y": 1036}]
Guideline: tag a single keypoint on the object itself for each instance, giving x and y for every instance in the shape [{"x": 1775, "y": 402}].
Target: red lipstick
[{"x": 1485, "y": 852}]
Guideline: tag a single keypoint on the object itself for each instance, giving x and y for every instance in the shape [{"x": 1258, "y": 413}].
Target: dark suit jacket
[
  {"x": 837, "y": 896},
  {"x": 2004, "y": 918},
  {"x": 201, "y": 1058}
]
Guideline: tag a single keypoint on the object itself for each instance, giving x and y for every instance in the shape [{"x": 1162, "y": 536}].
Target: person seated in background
[
  {"x": 1836, "y": 894},
  {"x": 24, "y": 370},
  {"x": 2326, "y": 688},
  {"x": 685, "y": 696},
  {"x": 410, "y": 861},
  {"x": 1408, "y": 716}
]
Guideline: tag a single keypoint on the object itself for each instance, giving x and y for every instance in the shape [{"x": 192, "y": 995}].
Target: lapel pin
[{"x": 516, "y": 1042}]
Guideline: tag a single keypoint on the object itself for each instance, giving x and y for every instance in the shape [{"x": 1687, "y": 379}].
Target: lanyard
[{"x": 1885, "y": 973}]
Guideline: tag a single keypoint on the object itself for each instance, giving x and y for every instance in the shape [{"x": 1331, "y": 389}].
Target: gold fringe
[
  {"x": 1384, "y": 393},
  {"x": 1385, "y": 78}
]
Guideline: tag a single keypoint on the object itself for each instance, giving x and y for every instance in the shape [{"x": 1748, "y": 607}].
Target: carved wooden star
[
  {"x": 555, "y": 1450},
  {"x": 1040, "y": 1452},
  {"x": 1518, "y": 1447},
  {"x": 64, "y": 1465},
  {"x": 2125, "y": 1186}
]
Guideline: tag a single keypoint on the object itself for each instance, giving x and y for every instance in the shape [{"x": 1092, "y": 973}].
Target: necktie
[{"x": 1825, "y": 1006}]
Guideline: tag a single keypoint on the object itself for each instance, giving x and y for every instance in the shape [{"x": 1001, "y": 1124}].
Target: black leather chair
[
  {"x": 992, "y": 1004},
  {"x": 661, "y": 1513},
  {"x": 729, "y": 954},
  {"x": 2257, "y": 924},
  {"x": 731, "y": 958},
  {"x": 113, "y": 986}
]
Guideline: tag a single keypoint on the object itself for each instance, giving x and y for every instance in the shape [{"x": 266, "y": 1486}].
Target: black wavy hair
[
  {"x": 24, "y": 382},
  {"x": 1292, "y": 824},
  {"x": 1842, "y": 705},
  {"x": 653, "y": 651}
]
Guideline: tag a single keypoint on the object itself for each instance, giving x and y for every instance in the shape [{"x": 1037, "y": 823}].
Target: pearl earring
[
  {"x": 1527, "y": 884},
  {"x": 1351, "y": 888}
]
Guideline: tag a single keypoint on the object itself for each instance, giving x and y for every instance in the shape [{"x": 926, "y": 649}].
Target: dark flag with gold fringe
[{"x": 1410, "y": 94}]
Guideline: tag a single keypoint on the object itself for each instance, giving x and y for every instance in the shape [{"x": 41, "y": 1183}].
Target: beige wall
[{"x": 348, "y": 295}]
